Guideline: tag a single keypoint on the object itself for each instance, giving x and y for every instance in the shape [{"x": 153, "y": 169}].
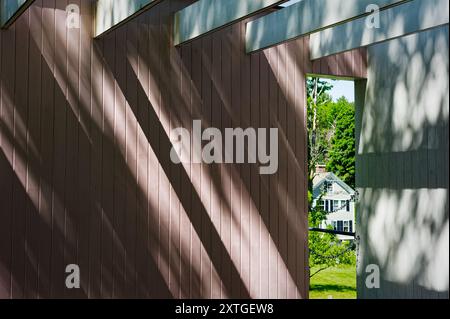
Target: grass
[{"x": 336, "y": 283}]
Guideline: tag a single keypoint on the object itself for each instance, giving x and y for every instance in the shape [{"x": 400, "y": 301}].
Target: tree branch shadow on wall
[{"x": 402, "y": 166}]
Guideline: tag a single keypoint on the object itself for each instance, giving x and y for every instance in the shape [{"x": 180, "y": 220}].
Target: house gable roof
[{"x": 323, "y": 177}]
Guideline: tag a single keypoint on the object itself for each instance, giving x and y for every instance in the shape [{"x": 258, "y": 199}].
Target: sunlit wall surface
[{"x": 402, "y": 168}]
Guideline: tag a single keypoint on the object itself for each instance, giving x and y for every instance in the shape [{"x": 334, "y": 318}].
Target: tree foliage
[
  {"x": 342, "y": 154},
  {"x": 326, "y": 250},
  {"x": 331, "y": 129}
]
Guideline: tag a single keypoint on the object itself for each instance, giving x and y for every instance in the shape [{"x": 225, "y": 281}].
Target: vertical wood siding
[{"x": 85, "y": 172}]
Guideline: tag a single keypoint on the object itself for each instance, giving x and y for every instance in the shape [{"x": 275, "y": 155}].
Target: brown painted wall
[{"x": 85, "y": 173}]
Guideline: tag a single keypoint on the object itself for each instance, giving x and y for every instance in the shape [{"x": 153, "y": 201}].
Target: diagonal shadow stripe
[{"x": 162, "y": 146}]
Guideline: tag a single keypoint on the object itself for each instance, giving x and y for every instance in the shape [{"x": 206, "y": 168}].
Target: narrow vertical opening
[{"x": 332, "y": 191}]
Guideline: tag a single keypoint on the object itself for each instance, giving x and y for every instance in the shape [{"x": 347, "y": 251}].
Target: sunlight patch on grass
[{"x": 336, "y": 283}]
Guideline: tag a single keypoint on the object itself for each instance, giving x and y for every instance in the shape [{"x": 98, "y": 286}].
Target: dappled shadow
[{"x": 402, "y": 167}]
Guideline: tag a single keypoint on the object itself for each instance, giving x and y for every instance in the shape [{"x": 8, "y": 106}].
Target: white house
[{"x": 335, "y": 197}]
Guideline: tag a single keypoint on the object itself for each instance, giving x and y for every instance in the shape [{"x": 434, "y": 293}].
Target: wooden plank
[
  {"x": 11, "y": 10},
  {"x": 272, "y": 55},
  {"x": 174, "y": 175},
  {"x": 245, "y": 171},
  {"x": 214, "y": 169},
  {"x": 292, "y": 235},
  {"x": 142, "y": 254},
  {"x": 164, "y": 185},
  {"x": 20, "y": 161},
  {"x": 110, "y": 14},
  {"x": 95, "y": 173},
  {"x": 206, "y": 266},
  {"x": 46, "y": 149},
  {"x": 84, "y": 154},
  {"x": 7, "y": 77},
  {"x": 34, "y": 140},
  {"x": 205, "y": 16},
  {"x": 282, "y": 175},
  {"x": 305, "y": 17},
  {"x": 265, "y": 181},
  {"x": 226, "y": 212},
  {"x": 187, "y": 190},
  {"x": 417, "y": 15},
  {"x": 236, "y": 183},
  {"x": 120, "y": 169},
  {"x": 304, "y": 164},
  {"x": 196, "y": 245},
  {"x": 5, "y": 239},
  {"x": 58, "y": 287},
  {"x": 153, "y": 180},
  {"x": 107, "y": 191},
  {"x": 255, "y": 218},
  {"x": 72, "y": 199},
  {"x": 131, "y": 158}
]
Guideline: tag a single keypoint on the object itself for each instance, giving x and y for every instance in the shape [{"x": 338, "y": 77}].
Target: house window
[
  {"x": 329, "y": 186},
  {"x": 346, "y": 226},
  {"x": 340, "y": 225},
  {"x": 334, "y": 224},
  {"x": 321, "y": 204},
  {"x": 336, "y": 205}
]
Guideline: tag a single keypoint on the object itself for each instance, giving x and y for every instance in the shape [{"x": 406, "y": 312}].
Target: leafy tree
[
  {"x": 326, "y": 250},
  {"x": 342, "y": 153}
]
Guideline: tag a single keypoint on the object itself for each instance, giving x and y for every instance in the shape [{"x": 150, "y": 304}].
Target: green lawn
[{"x": 337, "y": 283}]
